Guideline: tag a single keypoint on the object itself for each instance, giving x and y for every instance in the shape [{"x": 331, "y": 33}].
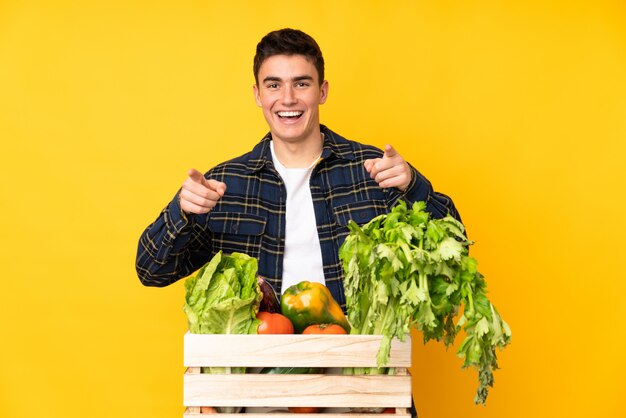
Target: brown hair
[{"x": 288, "y": 42}]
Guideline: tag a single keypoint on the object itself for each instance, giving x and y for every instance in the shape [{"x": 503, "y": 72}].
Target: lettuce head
[{"x": 223, "y": 296}]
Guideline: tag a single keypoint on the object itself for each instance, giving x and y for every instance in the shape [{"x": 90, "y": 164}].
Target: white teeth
[{"x": 289, "y": 114}]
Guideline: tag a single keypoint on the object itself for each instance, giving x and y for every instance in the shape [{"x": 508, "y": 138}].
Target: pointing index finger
[
  {"x": 390, "y": 151},
  {"x": 197, "y": 176}
]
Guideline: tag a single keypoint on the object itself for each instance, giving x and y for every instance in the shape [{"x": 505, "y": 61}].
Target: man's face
[{"x": 290, "y": 94}]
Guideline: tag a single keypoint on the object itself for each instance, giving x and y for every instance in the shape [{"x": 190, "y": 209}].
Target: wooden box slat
[
  {"x": 261, "y": 390},
  {"x": 401, "y": 413},
  {"x": 290, "y": 351}
]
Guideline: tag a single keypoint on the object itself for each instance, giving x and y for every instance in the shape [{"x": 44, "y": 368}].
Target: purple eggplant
[{"x": 270, "y": 302}]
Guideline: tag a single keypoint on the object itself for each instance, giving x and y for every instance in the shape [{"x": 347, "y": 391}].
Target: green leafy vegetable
[
  {"x": 223, "y": 297},
  {"x": 404, "y": 270}
]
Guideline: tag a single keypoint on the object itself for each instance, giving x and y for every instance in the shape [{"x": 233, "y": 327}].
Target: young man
[{"x": 288, "y": 201}]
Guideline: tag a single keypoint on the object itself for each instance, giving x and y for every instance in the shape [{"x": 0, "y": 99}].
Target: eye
[
  {"x": 302, "y": 84},
  {"x": 272, "y": 86}
]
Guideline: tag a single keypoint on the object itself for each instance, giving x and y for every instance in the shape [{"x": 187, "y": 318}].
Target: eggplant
[
  {"x": 270, "y": 302},
  {"x": 291, "y": 370}
]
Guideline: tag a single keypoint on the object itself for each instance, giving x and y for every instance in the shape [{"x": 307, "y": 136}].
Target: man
[{"x": 287, "y": 202}]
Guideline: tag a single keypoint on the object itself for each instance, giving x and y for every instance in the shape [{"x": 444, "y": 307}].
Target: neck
[{"x": 300, "y": 154}]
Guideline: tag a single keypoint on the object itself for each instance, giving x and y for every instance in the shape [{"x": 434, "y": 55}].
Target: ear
[
  {"x": 257, "y": 98},
  {"x": 324, "y": 92}
]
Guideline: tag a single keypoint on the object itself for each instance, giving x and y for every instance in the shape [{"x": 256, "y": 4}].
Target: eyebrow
[{"x": 298, "y": 78}]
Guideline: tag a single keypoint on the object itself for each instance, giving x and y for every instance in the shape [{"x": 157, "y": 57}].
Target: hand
[
  {"x": 199, "y": 195},
  {"x": 389, "y": 171}
]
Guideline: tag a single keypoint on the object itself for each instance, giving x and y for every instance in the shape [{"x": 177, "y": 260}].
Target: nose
[{"x": 289, "y": 96}]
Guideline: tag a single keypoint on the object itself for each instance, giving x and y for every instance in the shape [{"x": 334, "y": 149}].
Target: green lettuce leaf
[{"x": 223, "y": 296}]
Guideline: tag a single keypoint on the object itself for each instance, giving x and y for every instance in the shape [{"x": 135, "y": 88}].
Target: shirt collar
[{"x": 334, "y": 146}]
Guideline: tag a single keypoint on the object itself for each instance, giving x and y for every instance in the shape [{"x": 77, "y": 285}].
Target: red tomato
[
  {"x": 389, "y": 411},
  {"x": 304, "y": 409},
  {"x": 208, "y": 410},
  {"x": 274, "y": 323},
  {"x": 324, "y": 329}
]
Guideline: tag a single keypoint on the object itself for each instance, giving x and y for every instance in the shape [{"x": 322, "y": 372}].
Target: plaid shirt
[{"x": 250, "y": 217}]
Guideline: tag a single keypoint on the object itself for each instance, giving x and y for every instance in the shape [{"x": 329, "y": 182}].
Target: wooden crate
[{"x": 331, "y": 391}]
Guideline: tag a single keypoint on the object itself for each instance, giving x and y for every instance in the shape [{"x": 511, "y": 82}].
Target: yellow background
[{"x": 515, "y": 109}]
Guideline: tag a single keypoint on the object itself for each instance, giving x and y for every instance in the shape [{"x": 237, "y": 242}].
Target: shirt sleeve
[
  {"x": 420, "y": 189},
  {"x": 169, "y": 249}
]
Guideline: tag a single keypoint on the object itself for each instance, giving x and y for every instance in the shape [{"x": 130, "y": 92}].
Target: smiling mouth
[{"x": 293, "y": 114}]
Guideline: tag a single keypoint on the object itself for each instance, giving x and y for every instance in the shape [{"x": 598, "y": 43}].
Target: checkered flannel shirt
[{"x": 250, "y": 217}]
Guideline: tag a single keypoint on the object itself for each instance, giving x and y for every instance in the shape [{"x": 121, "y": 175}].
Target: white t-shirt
[{"x": 303, "y": 255}]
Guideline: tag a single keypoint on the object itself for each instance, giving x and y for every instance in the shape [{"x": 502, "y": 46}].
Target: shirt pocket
[
  {"x": 360, "y": 212},
  {"x": 236, "y": 223},
  {"x": 237, "y": 232}
]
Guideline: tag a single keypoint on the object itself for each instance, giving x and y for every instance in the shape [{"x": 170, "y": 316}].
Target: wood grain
[
  {"x": 281, "y": 414},
  {"x": 260, "y": 390},
  {"x": 290, "y": 350}
]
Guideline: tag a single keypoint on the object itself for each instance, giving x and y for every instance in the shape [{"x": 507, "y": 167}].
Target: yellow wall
[{"x": 516, "y": 109}]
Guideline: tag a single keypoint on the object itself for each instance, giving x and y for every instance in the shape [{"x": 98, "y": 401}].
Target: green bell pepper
[{"x": 311, "y": 303}]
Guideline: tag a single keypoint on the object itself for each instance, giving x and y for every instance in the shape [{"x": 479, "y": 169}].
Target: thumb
[
  {"x": 197, "y": 177},
  {"x": 390, "y": 151}
]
